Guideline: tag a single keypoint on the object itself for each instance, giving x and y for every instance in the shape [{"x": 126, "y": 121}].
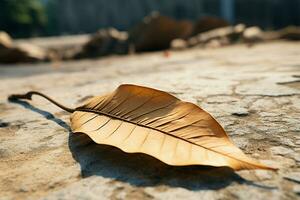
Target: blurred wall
[
  {"x": 268, "y": 13},
  {"x": 77, "y": 16},
  {"x": 23, "y": 18}
]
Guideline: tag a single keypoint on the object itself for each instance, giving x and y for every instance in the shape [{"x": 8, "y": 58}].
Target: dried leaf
[
  {"x": 145, "y": 120},
  {"x": 140, "y": 119}
]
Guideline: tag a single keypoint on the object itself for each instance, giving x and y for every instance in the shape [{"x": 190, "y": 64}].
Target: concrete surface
[{"x": 253, "y": 92}]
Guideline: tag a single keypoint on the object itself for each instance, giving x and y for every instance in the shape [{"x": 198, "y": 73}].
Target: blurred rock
[
  {"x": 21, "y": 52},
  {"x": 271, "y": 35},
  {"x": 253, "y": 34},
  {"x": 229, "y": 34},
  {"x": 156, "y": 32},
  {"x": 5, "y": 41},
  {"x": 178, "y": 44},
  {"x": 209, "y": 23},
  {"x": 213, "y": 44},
  {"x": 290, "y": 33},
  {"x": 104, "y": 42},
  {"x": 216, "y": 43}
]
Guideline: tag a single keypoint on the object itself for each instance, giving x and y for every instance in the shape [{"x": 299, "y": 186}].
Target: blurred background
[
  {"x": 75, "y": 29},
  {"x": 27, "y": 18}
]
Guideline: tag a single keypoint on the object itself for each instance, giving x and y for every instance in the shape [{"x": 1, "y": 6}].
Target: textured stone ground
[{"x": 253, "y": 92}]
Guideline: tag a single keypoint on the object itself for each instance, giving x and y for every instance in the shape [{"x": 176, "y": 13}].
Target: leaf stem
[{"x": 28, "y": 95}]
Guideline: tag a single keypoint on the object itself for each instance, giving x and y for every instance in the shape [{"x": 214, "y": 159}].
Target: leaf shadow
[
  {"x": 44, "y": 113},
  {"x": 142, "y": 170},
  {"x": 139, "y": 169}
]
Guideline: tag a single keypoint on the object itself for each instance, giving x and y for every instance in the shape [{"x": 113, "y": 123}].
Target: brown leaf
[{"x": 141, "y": 119}]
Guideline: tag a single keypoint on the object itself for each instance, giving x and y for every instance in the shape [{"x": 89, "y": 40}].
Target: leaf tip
[{"x": 258, "y": 166}]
